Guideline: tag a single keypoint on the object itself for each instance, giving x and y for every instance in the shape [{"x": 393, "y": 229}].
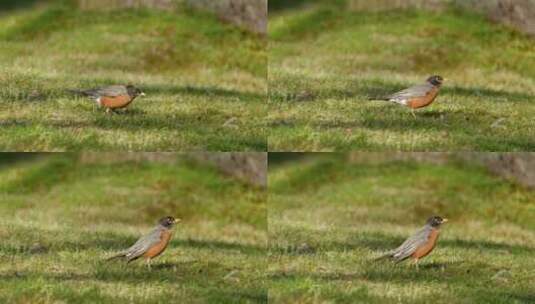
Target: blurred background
[
  {"x": 62, "y": 214},
  {"x": 327, "y": 59},
  {"x": 331, "y": 214},
  {"x": 203, "y": 65},
  {"x": 517, "y": 13}
]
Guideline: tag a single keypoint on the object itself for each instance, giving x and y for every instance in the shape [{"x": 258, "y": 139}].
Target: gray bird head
[
  {"x": 168, "y": 221},
  {"x": 436, "y": 221},
  {"x": 133, "y": 91},
  {"x": 435, "y": 80}
]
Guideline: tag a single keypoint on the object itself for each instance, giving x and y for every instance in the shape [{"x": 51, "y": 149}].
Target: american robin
[
  {"x": 417, "y": 96},
  {"x": 150, "y": 245},
  {"x": 112, "y": 97},
  {"x": 420, "y": 244}
]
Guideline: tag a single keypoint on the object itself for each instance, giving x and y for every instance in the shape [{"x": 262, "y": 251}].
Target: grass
[
  {"x": 326, "y": 61},
  {"x": 329, "y": 218},
  {"x": 205, "y": 80},
  {"x": 61, "y": 217}
]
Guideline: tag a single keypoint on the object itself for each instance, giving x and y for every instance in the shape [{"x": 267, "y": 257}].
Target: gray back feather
[
  {"x": 414, "y": 91},
  {"x": 112, "y": 91},
  {"x": 408, "y": 247},
  {"x": 144, "y": 244}
]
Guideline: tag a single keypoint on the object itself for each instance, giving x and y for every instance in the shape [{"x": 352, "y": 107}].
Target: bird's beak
[
  {"x": 445, "y": 220},
  {"x": 142, "y": 94},
  {"x": 177, "y": 220}
]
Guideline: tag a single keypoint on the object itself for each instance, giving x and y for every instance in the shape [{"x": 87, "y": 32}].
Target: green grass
[
  {"x": 326, "y": 61},
  {"x": 328, "y": 219},
  {"x": 61, "y": 217},
  {"x": 205, "y": 80}
]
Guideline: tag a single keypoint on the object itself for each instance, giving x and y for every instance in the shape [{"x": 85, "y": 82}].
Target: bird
[
  {"x": 112, "y": 97},
  {"x": 420, "y": 244},
  {"x": 417, "y": 96},
  {"x": 150, "y": 245}
]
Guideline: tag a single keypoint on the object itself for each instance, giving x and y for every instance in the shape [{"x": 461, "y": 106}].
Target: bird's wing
[
  {"x": 414, "y": 91},
  {"x": 143, "y": 244},
  {"x": 411, "y": 244},
  {"x": 111, "y": 91}
]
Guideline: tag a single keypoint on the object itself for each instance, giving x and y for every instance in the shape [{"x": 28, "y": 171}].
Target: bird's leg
[
  {"x": 111, "y": 111},
  {"x": 412, "y": 112},
  {"x": 148, "y": 263},
  {"x": 415, "y": 263}
]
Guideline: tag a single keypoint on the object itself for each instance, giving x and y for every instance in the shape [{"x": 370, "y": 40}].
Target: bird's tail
[
  {"x": 75, "y": 92},
  {"x": 85, "y": 93},
  {"x": 377, "y": 98},
  {"x": 120, "y": 255},
  {"x": 383, "y": 256}
]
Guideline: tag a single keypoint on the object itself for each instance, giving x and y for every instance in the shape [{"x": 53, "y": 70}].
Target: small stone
[
  {"x": 231, "y": 122},
  {"x": 304, "y": 248},
  {"x": 305, "y": 96},
  {"x": 231, "y": 275},
  {"x": 503, "y": 275},
  {"x": 37, "y": 248}
]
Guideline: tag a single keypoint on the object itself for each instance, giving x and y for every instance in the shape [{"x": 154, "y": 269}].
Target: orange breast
[
  {"x": 424, "y": 250},
  {"x": 115, "y": 102},
  {"x": 157, "y": 249},
  {"x": 420, "y": 102}
]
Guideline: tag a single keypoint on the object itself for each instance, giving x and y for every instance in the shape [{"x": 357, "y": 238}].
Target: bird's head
[
  {"x": 133, "y": 91},
  {"x": 168, "y": 221},
  {"x": 435, "y": 80},
  {"x": 436, "y": 221}
]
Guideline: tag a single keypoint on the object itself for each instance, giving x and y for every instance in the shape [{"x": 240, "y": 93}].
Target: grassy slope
[
  {"x": 328, "y": 220},
  {"x": 326, "y": 61},
  {"x": 57, "y": 225},
  {"x": 205, "y": 80}
]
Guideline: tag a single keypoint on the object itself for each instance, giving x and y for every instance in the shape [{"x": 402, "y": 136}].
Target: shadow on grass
[
  {"x": 219, "y": 245},
  {"x": 207, "y": 277},
  {"x": 491, "y": 95},
  {"x": 381, "y": 242},
  {"x": 521, "y": 297},
  {"x": 23, "y": 275},
  {"x": 34, "y": 94},
  {"x": 390, "y": 273},
  {"x": 202, "y": 280},
  {"x": 471, "y": 128},
  {"x": 400, "y": 119},
  {"x": 208, "y": 91},
  {"x": 376, "y": 89},
  {"x": 41, "y": 242},
  {"x": 9, "y": 159},
  {"x": 201, "y": 130},
  {"x": 373, "y": 89},
  {"x": 280, "y": 5},
  {"x": 384, "y": 271},
  {"x": 450, "y": 272},
  {"x": 113, "y": 242},
  {"x": 8, "y": 5}
]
